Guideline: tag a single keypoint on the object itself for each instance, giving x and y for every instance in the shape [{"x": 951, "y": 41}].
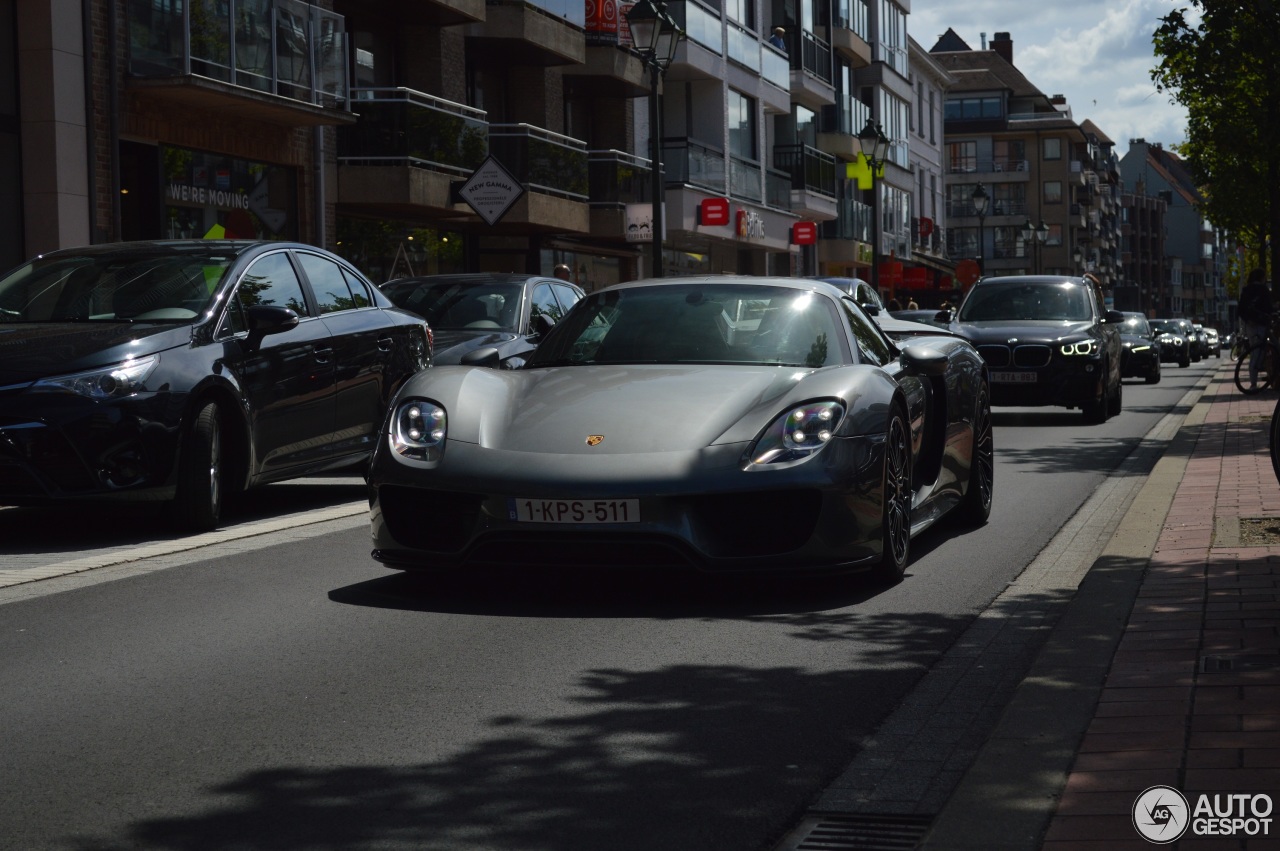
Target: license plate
[
  {"x": 1013, "y": 378},
  {"x": 574, "y": 510}
]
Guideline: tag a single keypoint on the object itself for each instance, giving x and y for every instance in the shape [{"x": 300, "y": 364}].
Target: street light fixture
[
  {"x": 656, "y": 36},
  {"x": 1037, "y": 236},
  {"x": 874, "y": 145},
  {"x": 981, "y": 200}
]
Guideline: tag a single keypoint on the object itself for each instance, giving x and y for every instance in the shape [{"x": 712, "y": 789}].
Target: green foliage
[{"x": 1218, "y": 59}]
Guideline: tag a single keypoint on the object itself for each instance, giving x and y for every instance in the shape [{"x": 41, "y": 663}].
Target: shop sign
[
  {"x": 491, "y": 191},
  {"x": 865, "y": 254},
  {"x": 640, "y": 222},
  {"x": 804, "y": 233},
  {"x": 749, "y": 225},
  {"x": 713, "y": 212},
  {"x": 602, "y": 22},
  {"x": 926, "y": 227}
]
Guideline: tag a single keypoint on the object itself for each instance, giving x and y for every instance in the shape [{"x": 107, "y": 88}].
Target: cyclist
[{"x": 1255, "y": 317}]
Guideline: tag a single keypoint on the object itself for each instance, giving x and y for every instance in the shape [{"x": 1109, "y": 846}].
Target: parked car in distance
[
  {"x": 1174, "y": 345},
  {"x": 1047, "y": 341},
  {"x": 936, "y": 318},
  {"x": 863, "y": 293},
  {"x": 1139, "y": 353},
  {"x": 723, "y": 423},
  {"x": 186, "y": 371},
  {"x": 470, "y": 314}
]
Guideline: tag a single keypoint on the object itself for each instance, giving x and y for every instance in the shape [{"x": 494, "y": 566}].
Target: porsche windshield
[
  {"x": 994, "y": 301},
  {"x": 696, "y": 323},
  {"x": 147, "y": 287}
]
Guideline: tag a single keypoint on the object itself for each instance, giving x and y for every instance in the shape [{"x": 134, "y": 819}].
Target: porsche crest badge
[{"x": 595, "y": 439}]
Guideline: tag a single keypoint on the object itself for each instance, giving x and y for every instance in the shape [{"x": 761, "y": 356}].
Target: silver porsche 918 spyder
[{"x": 724, "y": 423}]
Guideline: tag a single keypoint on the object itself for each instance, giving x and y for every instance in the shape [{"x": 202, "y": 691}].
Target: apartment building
[
  {"x": 354, "y": 124},
  {"x": 1052, "y": 183},
  {"x": 1142, "y": 251}
]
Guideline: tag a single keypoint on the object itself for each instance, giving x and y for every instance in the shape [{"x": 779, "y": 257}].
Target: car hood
[
  {"x": 452, "y": 343},
  {"x": 1025, "y": 331},
  {"x": 631, "y": 408},
  {"x": 32, "y": 351}
]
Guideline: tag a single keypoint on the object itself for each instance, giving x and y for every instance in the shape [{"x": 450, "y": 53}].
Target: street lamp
[
  {"x": 980, "y": 201},
  {"x": 1036, "y": 236},
  {"x": 656, "y": 36},
  {"x": 874, "y": 145}
]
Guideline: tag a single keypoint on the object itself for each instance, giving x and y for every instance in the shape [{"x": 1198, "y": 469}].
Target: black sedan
[
  {"x": 186, "y": 371},
  {"x": 1140, "y": 352},
  {"x": 1048, "y": 341},
  {"x": 472, "y": 315},
  {"x": 721, "y": 423}
]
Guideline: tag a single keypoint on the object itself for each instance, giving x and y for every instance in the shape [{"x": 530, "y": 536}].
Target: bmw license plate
[
  {"x": 1013, "y": 378},
  {"x": 574, "y": 510}
]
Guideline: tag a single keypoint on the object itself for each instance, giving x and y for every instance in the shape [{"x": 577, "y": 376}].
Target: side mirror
[
  {"x": 483, "y": 356},
  {"x": 1113, "y": 316},
  {"x": 267, "y": 319},
  {"x": 871, "y": 309},
  {"x": 925, "y": 360},
  {"x": 542, "y": 323},
  {"x": 942, "y": 316}
]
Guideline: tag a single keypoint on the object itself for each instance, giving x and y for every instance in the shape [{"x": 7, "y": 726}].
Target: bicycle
[{"x": 1268, "y": 363}]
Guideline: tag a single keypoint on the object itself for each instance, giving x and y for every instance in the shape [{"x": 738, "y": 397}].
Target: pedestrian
[
  {"x": 779, "y": 39},
  {"x": 563, "y": 272},
  {"x": 911, "y": 304},
  {"x": 894, "y": 304},
  {"x": 1254, "y": 311}
]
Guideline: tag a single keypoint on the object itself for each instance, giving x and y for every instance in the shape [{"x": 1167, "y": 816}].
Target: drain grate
[
  {"x": 1233, "y": 664},
  {"x": 856, "y": 832}
]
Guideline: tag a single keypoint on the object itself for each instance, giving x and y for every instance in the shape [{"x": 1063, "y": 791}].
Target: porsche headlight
[
  {"x": 1084, "y": 347},
  {"x": 798, "y": 434},
  {"x": 418, "y": 430},
  {"x": 112, "y": 382}
]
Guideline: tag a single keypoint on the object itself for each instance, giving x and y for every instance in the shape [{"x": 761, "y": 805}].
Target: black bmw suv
[{"x": 1048, "y": 341}]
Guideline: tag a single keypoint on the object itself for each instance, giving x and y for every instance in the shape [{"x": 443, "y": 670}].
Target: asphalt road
[{"x": 291, "y": 694}]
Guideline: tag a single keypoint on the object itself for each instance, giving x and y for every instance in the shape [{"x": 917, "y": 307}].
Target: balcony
[
  {"x": 685, "y": 161},
  {"x": 988, "y": 166},
  {"x": 553, "y": 169},
  {"x": 841, "y": 237},
  {"x": 406, "y": 149},
  {"x": 811, "y": 83},
  {"x": 545, "y": 33},
  {"x": 812, "y": 180},
  {"x": 279, "y": 61},
  {"x": 611, "y": 71},
  {"x": 615, "y": 179},
  {"x": 850, "y": 32}
]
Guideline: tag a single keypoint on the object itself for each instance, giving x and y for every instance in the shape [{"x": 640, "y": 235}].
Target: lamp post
[
  {"x": 980, "y": 201},
  {"x": 874, "y": 145},
  {"x": 1036, "y": 236},
  {"x": 656, "y": 37}
]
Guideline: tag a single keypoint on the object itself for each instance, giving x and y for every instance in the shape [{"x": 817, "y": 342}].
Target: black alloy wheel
[
  {"x": 197, "y": 502},
  {"x": 976, "y": 505},
  {"x": 1153, "y": 374},
  {"x": 896, "y": 521}
]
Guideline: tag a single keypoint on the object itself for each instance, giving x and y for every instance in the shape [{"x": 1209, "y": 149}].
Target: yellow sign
[{"x": 860, "y": 169}]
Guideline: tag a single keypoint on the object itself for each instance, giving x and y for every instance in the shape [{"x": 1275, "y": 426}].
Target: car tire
[
  {"x": 1186, "y": 360},
  {"x": 1115, "y": 400},
  {"x": 895, "y": 521},
  {"x": 1153, "y": 374},
  {"x": 197, "y": 502},
  {"x": 1095, "y": 410},
  {"x": 975, "y": 507}
]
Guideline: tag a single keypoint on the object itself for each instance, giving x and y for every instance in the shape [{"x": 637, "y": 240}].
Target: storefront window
[
  {"x": 214, "y": 196},
  {"x": 385, "y": 250}
]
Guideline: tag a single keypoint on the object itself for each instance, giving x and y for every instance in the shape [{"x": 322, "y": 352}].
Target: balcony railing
[
  {"x": 810, "y": 169},
  {"x": 400, "y": 126},
  {"x": 699, "y": 24},
  {"x": 745, "y": 180},
  {"x": 815, "y": 57},
  {"x": 685, "y": 161},
  {"x": 282, "y": 47},
  {"x": 777, "y": 189},
  {"x": 852, "y": 15},
  {"x": 616, "y": 178},
  {"x": 543, "y": 161},
  {"x": 986, "y": 165},
  {"x": 744, "y": 47}
]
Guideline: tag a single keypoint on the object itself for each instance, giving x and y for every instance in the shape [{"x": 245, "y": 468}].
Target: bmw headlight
[
  {"x": 418, "y": 430},
  {"x": 1084, "y": 347},
  {"x": 1141, "y": 348},
  {"x": 798, "y": 434},
  {"x": 111, "y": 382}
]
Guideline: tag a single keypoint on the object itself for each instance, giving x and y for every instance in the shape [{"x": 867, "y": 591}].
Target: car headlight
[
  {"x": 418, "y": 430},
  {"x": 1170, "y": 340},
  {"x": 111, "y": 382},
  {"x": 1141, "y": 348},
  {"x": 798, "y": 434},
  {"x": 1084, "y": 347}
]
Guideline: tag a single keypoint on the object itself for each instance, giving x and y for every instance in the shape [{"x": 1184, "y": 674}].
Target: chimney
[
  {"x": 984, "y": 41},
  {"x": 1002, "y": 44}
]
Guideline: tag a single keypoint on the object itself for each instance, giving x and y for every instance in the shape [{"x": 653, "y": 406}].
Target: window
[
  {"x": 872, "y": 346},
  {"x": 328, "y": 284},
  {"x": 566, "y": 295},
  {"x": 962, "y": 156},
  {"x": 742, "y": 126},
  {"x": 742, "y": 11},
  {"x": 1053, "y": 191},
  {"x": 1053, "y": 148},
  {"x": 544, "y": 302},
  {"x": 1009, "y": 154},
  {"x": 272, "y": 281},
  {"x": 970, "y": 109},
  {"x": 359, "y": 289}
]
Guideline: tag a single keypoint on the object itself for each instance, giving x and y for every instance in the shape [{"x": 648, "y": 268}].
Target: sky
[{"x": 1098, "y": 53}]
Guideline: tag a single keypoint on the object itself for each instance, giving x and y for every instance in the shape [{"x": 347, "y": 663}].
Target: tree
[{"x": 1221, "y": 65}]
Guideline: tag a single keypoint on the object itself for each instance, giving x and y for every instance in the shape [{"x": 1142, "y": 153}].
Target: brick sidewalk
[{"x": 1192, "y": 698}]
